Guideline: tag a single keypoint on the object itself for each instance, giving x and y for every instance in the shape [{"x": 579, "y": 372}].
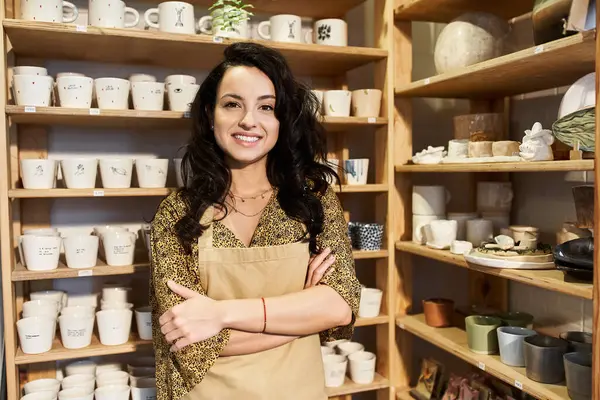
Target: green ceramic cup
[
  {"x": 481, "y": 333},
  {"x": 517, "y": 318}
]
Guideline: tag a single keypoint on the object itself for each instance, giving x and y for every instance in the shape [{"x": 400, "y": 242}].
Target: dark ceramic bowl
[
  {"x": 575, "y": 273},
  {"x": 544, "y": 358},
  {"x": 578, "y": 341},
  {"x": 577, "y": 252},
  {"x": 578, "y": 372}
]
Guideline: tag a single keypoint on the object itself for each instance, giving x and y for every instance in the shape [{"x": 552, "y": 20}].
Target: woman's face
[{"x": 245, "y": 125}]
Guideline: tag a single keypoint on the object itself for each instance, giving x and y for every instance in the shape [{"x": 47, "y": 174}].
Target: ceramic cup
[
  {"x": 116, "y": 173},
  {"x": 86, "y": 311},
  {"x": 366, "y": 102},
  {"x": 112, "y": 93},
  {"x": 79, "y": 380},
  {"x": 75, "y": 91},
  {"x": 480, "y": 149},
  {"x": 76, "y": 393},
  {"x": 33, "y": 90},
  {"x": 438, "y": 312},
  {"x": 421, "y": 225},
  {"x": 369, "y": 237},
  {"x": 505, "y": 148},
  {"x": 142, "y": 377},
  {"x": 79, "y": 173},
  {"x": 112, "y": 392},
  {"x": 461, "y": 223},
  {"x": 334, "y": 343},
  {"x": 362, "y": 367},
  {"x": 347, "y": 348},
  {"x": 152, "y": 172},
  {"x": 336, "y": 103},
  {"x": 526, "y": 235},
  {"x": 443, "y": 233},
  {"x": 240, "y": 30},
  {"x": 111, "y": 14},
  {"x": 148, "y": 96},
  {"x": 335, "y": 370},
  {"x": 76, "y": 330},
  {"x": 143, "y": 320},
  {"x": 36, "y": 334},
  {"x": 29, "y": 70},
  {"x": 104, "y": 305},
  {"x": 82, "y": 367},
  {"x": 139, "y": 77},
  {"x": 516, "y": 318},
  {"x": 481, "y": 333},
  {"x": 494, "y": 196},
  {"x": 40, "y": 308},
  {"x": 119, "y": 248},
  {"x": 356, "y": 171},
  {"x": 173, "y": 17},
  {"x": 42, "y": 385},
  {"x": 326, "y": 351},
  {"x": 328, "y": 32},
  {"x": 578, "y": 373},
  {"x": 510, "y": 341},
  {"x": 116, "y": 294},
  {"x": 81, "y": 251},
  {"x": 479, "y": 230},
  {"x": 40, "y": 253},
  {"x": 544, "y": 358},
  {"x": 107, "y": 378},
  {"x": 458, "y": 148},
  {"x": 370, "y": 302},
  {"x": 578, "y": 341},
  {"x": 181, "y": 95},
  {"x": 281, "y": 28},
  {"x": 51, "y": 295},
  {"x": 49, "y": 11},
  {"x": 500, "y": 219},
  {"x": 461, "y": 247},
  {"x": 429, "y": 200},
  {"x": 38, "y": 173},
  {"x": 143, "y": 389},
  {"x": 114, "y": 326}
]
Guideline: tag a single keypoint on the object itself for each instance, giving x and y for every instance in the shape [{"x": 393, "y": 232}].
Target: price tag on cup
[
  {"x": 94, "y": 111},
  {"x": 426, "y": 81},
  {"x": 81, "y": 28},
  {"x": 29, "y": 109},
  {"x": 217, "y": 39},
  {"x": 481, "y": 366},
  {"x": 371, "y": 120},
  {"x": 86, "y": 272},
  {"x": 538, "y": 49},
  {"x": 98, "y": 193},
  {"x": 518, "y": 385}
]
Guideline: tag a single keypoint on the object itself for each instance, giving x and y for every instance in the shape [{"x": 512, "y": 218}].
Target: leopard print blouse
[{"x": 178, "y": 373}]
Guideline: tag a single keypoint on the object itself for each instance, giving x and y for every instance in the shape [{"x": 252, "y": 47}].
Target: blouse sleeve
[
  {"x": 170, "y": 262},
  {"x": 342, "y": 277}
]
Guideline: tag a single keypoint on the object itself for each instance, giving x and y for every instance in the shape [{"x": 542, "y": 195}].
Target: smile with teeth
[{"x": 249, "y": 139}]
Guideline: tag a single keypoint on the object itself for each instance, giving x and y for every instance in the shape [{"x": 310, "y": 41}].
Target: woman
[{"x": 252, "y": 266}]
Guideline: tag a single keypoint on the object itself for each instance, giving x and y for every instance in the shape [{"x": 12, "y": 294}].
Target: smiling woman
[{"x": 251, "y": 263}]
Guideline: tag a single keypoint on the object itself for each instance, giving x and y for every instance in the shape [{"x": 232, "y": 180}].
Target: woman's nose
[{"x": 248, "y": 121}]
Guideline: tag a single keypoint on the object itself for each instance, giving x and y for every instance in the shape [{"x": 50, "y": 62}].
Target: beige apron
[{"x": 290, "y": 372}]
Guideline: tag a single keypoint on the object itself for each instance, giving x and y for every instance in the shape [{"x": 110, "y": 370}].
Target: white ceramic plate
[{"x": 474, "y": 257}]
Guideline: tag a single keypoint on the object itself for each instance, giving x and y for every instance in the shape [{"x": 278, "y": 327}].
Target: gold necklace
[
  {"x": 261, "y": 195},
  {"x": 244, "y": 214}
]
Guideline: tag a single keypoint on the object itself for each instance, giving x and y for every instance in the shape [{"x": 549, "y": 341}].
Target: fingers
[
  {"x": 174, "y": 335},
  {"x": 322, "y": 269},
  {"x": 180, "y": 344},
  {"x": 166, "y": 317},
  {"x": 314, "y": 263},
  {"x": 168, "y": 327},
  {"x": 318, "y": 267}
]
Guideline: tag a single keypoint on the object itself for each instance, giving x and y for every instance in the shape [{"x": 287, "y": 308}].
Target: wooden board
[
  {"x": 144, "y": 119},
  {"x": 447, "y": 10},
  {"x": 368, "y": 254},
  {"x": 378, "y": 320},
  {"x": 541, "y": 166},
  {"x": 132, "y": 46},
  {"x": 454, "y": 341},
  {"x": 546, "y": 66},
  {"x": 20, "y": 273},
  {"x": 350, "y": 387},
  {"x": 548, "y": 279}
]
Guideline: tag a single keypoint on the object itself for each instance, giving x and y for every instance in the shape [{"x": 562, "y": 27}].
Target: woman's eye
[
  {"x": 267, "y": 108},
  {"x": 231, "y": 105}
]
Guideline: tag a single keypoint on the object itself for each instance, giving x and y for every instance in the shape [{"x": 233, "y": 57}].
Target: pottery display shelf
[
  {"x": 133, "y": 46},
  {"x": 144, "y": 119},
  {"x": 521, "y": 166},
  {"x": 454, "y": 341},
  {"x": 445, "y": 10},
  {"x": 553, "y": 280},
  {"x": 512, "y": 73}
]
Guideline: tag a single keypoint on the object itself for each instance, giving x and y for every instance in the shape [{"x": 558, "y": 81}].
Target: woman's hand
[
  {"x": 197, "y": 318},
  {"x": 318, "y": 266}
]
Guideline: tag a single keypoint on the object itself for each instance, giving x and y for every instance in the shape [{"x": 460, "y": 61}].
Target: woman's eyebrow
[{"x": 238, "y": 97}]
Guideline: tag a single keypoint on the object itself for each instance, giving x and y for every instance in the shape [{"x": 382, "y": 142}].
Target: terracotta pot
[
  {"x": 438, "y": 312},
  {"x": 479, "y": 127}
]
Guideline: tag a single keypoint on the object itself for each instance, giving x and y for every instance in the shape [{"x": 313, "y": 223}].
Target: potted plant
[{"x": 230, "y": 18}]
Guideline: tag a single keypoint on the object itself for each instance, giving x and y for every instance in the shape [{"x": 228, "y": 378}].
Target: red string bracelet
[{"x": 264, "y": 315}]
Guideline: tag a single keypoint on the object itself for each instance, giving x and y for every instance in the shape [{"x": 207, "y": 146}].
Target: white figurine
[
  {"x": 536, "y": 144},
  {"x": 431, "y": 155}
]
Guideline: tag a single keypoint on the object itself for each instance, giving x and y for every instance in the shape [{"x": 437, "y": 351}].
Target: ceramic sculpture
[{"x": 537, "y": 144}]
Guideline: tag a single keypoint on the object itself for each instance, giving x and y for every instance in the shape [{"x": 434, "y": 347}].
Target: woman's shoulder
[{"x": 171, "y": 208}]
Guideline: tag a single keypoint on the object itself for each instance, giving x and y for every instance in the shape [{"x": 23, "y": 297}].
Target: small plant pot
[
  {"x": 510, "y": 341},
  {"x": 438, "y": 312},
  {"x": 544, "y": 358},
  {"x": 517, "y": 318},
  {"x": 369, "y": 236},
  {"x": 578, "y": 371},
  {"x": 578, "y": 341},
  {"x": 481, "y": 333}
]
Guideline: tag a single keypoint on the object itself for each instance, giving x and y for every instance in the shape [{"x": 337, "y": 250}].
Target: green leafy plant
[{"x": 228, "y": 14}]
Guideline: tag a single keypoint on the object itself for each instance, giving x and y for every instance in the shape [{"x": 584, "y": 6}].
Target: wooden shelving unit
[
  {"x": 27, "y": 136},
  {"x": 445, "y": 11},
  {"x": 542, "y": 166}
]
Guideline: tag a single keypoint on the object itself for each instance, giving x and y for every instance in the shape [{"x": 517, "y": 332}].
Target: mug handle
[
  {"x": 73, "y": 9},
  {"x": 264, "y": 35},
  {"x": 136, "y": 17},
  {"x": 448, "y": 196},
  {"x": 202, "y": 25},
  {"x": 21, "y": 253},
  {"x": 147, "y": 14},
  {"x": 308, "y": 38}
]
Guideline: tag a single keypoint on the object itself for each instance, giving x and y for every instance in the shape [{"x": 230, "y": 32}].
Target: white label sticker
[
  {"x": 481, "y": 366},
  {"x": 81, "y": 28},
  {"x": 518, "y": 385},
  {"x": 187, "y": 114},
  {"x": 538, "y": 49},
  {"x": 98, "y": 193},
  {"x": 94, "y": 111},
  {"x": 87, "y": 272},
  {"x": 371, "y": 120},
  {"x": 29, "y": 109},
  {"x": 401, "y": 326},
  {"x": 217, "y": 39},
  {"x": 427, "y": 80}
]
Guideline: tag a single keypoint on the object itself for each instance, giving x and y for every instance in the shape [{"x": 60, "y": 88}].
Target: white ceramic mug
[
  {"x": 43, "y": 308},
  {"x": 48, "y": 11},
  {"x": 143, "y": 320},
  {"x": 33, "y": 90},
  {"x": 79, "y": 173},
  {"x": 119, "y": 248},
  {"x": 40, "y": 253},
  {"x": 52, "y": 295},
  {"x": 116, "y": 173},
  {"x": 114, "y": 326},
  {"x": 336, "y": 103},
  {"x": 328, "y": 32},
  {"x": 347, "y": 348},
  {"x": 282, "y": 28},
  {"x": 335, "y": 369},
  {"x": 143, "y": 389},
  {"x": 181, "y": 95},
  {"x": 356, "y": 171},
  {"x": 112, "y": 93},
  {"x": 370, "y": 302},
  {"x": 479, "y": 230},
  {"x": 461, "y": 223},
  {"x": 83, "y": 381},
  {"x": 139, "y": 77},
  {"x": 173, "y": 17},
  {"x": 240, "y": 30},
  {"x": 494, "y": 196},
  {"x": 38, "y": 173},
  {"x": 36, "y": 334},
  {"x": 30, "y": 70},
  {"x": 443, "y": 233},
  {"x": 111, "y": 14},
  {"x": 75, "y": 91},
  {"x": 81, "y": 251},
  {"x": 179, "y": 79},
  {"x": 76, "y": 330},
  {"x": 152, "y": 172},
  {"x": 421, "y": 225},
  {"x": 107, "y": 378},
  {"x": 458, "y": 148},
  {"x": 42, "y": 385},
  {"x": 430, "y": 200},
  {"x": 362, "y": 367},
  {"x": 82, "y": 367},
  {"x": 366, "y": 102},
  {"x": 148, "y": 96}
]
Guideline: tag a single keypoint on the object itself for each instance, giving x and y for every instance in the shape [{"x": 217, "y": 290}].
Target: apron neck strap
[{"x": 205, "y": 240}]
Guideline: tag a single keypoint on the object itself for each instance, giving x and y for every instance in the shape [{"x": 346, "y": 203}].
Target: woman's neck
[{"x": 248, "y": 180}]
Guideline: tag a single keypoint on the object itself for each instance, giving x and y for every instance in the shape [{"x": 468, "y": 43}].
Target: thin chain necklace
[{"x": 261, "y": 195}]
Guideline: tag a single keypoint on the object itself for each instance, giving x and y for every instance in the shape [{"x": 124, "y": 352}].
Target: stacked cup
[
  {"x": 429, "y": 212},
  {"x": 32, "y": 86},
  {"x": 181, "y": 91},
  {"x": 345, "y": 356},
  {"x": 115, "y": 317},
  {"x": 39, "y": 249}
]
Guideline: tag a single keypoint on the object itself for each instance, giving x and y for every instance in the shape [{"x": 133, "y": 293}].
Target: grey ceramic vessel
[
  {"x": 544, "y": 358},
  {"x": 510, "y": 340},
  {"x": 578, "y": 371},
  {"x": 578, "y": 341}
]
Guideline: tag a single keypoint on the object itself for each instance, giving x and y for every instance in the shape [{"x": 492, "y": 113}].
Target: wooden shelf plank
[
  {"x": 378, "y": 320},
  {"x": 447, "y": 10},
  {"x": 541, "y": 166},
  {"x": 403, "y": 394},
  {"x": 553, "y": 280},
  {"x": 144, "y": 119},
  {"x": 368, "y": 254},
  {"x": 370, "y": 188},
  {"x": 350, "y": 387},
  {"x": 20, "y": 273},
  {"x": 152, "y": 48},
  {"x": 454, "y": 341},
  {"x": 536, "y": 68},
  {"x": 58, "y": 352}
]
